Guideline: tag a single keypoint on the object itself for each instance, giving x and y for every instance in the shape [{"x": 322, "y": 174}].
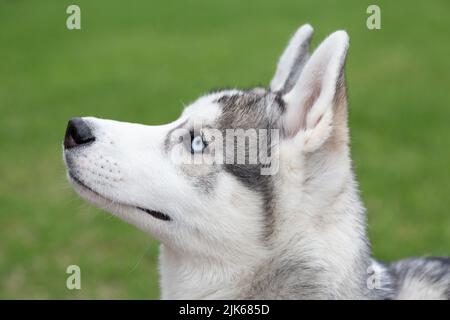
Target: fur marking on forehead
[{"x": 254, "y": 108}]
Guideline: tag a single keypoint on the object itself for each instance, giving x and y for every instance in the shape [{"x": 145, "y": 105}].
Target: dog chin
[{"x": 90, "y": 195}]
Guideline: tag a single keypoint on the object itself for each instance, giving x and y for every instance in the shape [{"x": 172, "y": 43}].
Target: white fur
[
  {"x": 213, "y": 241},
  {"x": 215, "y": 245},
  {"x": 421, "y": 289},
  {"x": 205, "y": 231},
  {"x": 320, "y": 74}
]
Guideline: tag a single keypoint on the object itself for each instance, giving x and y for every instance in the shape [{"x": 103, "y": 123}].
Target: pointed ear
[
  {"x": 292, "y": 60},
  {"x": 317, "y": 102}
]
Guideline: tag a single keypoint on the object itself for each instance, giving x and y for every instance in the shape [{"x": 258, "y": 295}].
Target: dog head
[{"x": 213, "y": 180}]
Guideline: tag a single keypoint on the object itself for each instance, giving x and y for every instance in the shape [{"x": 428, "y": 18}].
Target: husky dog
[{"x": 229, "y": 230}]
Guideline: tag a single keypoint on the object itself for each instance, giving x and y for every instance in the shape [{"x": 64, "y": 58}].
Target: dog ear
[
  {"x": 292, "y": 60},
  {"x": 316, "y": 107}
]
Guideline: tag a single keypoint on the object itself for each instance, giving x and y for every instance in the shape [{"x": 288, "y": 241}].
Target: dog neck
[
  {"x": 320, "y": 235},
  {"x": 188, "y": 277}
]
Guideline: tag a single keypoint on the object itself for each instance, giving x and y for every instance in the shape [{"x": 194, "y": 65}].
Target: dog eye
[{"x": 197, "y": 144}]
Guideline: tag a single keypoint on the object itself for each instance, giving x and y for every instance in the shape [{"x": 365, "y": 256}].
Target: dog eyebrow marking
[{"x": 167, "y": 143}]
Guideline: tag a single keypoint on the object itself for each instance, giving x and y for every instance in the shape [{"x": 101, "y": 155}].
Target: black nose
[{"x": 77, "y": 133}]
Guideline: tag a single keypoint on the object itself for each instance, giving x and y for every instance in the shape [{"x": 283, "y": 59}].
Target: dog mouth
[{"x": 155, "y": 214}]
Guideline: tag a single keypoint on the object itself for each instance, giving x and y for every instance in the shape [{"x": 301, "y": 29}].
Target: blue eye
[{"x": 197, "y": 144}]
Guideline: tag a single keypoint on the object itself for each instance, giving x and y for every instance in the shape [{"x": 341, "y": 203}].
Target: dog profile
[{"x": 251, "y": 193}]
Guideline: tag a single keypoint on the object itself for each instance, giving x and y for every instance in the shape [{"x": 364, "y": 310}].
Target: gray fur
[
  {"x": 168, "y": 143},
  {"x": 434, "y": 272},
  {"x": 285, "y": 276},
  {"x": 247, "y": 110},
  {"x": 297, "y": 68}
]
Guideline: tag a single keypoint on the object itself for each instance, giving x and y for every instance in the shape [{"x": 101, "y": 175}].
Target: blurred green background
[{"x": 139, "y": 61}]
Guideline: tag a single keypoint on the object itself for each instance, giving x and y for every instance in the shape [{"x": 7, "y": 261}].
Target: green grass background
[{"x": 139, "y": 61}]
